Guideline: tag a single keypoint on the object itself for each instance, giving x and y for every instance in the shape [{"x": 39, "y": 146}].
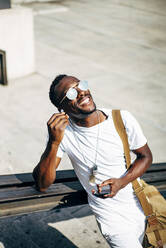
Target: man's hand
[
  {"x": 115, "y": 185},
  {"x": 45, "y": 171},
  {"x": 56, "y": 127},
  {"x": 137, "y": 168}
]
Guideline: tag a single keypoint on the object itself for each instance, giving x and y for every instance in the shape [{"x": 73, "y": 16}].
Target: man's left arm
[{"x": 138, "y": 167}]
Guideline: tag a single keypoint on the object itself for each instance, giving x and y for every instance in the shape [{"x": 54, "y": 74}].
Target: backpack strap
[{"x": 147, "y": 208}]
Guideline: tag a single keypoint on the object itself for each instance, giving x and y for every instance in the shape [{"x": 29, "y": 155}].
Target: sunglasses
[{"x": 72, "y": 93}]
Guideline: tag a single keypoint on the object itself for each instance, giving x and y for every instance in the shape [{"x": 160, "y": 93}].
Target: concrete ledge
[
  {"x": 31, "y": 1},
  {"x": 17, "y": 39}
]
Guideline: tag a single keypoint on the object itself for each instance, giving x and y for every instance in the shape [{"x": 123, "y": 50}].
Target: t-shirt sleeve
[{"x": 135, "y": 134}]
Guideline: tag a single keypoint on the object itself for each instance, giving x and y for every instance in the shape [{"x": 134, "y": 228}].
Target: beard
[
  {"x": 81, "y": 113},
  {"x": 87, "y": 112}
]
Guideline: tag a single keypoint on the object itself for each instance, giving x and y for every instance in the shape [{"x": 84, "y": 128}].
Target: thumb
[{"x": 105, "y": 183}]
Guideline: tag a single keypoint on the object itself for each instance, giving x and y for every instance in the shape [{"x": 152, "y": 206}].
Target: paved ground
[{"x": 120, "y": 47}]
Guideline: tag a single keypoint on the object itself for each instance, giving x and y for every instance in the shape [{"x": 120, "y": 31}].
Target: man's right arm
[{"x": 45, "y": 172}]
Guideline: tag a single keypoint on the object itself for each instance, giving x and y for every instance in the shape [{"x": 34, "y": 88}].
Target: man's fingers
[
  {"x": 112, "y": 194},
  {"x": 54, "y": 116},
  {"x": 93, "y": 191},
  {"x": 61, "y": 124},
  {"x": 105, "y": 183},
  {"x": 57, "y": 119},
  {"x": 99, "y": 188}
]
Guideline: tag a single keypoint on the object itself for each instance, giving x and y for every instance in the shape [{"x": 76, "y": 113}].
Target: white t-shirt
[{"x": 81, "y": 143}]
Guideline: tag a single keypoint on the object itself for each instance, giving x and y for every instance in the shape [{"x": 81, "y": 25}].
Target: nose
[{"x": 81, "y": 93}]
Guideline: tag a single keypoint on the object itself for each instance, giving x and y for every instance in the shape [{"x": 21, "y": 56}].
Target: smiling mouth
[{"x": 85, "y": 100}]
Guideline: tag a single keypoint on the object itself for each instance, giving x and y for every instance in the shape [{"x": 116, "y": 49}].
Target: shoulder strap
[
  {"x": 120, "y": 128},
  {"x": 147, "y": 208}
]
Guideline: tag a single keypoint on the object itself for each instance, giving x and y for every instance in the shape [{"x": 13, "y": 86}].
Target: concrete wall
[{"x": 16, "y": 32}]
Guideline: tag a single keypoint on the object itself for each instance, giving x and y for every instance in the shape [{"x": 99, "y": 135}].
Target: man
[{"x": 89, "y": 137}]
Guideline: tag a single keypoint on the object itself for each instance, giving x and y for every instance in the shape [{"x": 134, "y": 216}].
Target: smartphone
[{"x": 105, "y": 190}]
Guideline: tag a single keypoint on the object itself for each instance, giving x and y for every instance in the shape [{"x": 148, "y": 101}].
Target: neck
[{"x": 91, "y": 120}]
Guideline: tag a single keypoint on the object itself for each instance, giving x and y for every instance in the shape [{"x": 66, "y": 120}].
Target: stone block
[
  {"x": 5, "y": 4},
  {"x": 17, "y": 40}
]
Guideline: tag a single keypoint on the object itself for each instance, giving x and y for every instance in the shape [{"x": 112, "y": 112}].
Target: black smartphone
[{"x": 105, "y": 191}]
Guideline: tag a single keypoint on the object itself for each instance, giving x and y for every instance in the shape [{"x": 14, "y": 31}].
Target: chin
[
  {"x": 87, "y": 111},
  {"x": 83, "y": 113}
]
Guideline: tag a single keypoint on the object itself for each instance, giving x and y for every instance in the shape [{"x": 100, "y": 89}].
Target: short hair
[{"x": 52, "y": 93}]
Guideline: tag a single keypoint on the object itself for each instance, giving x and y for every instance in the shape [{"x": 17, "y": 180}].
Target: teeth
[{"x": 85, "y": 101}]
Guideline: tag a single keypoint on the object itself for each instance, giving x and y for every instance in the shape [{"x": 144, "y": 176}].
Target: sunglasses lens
[
  {"x": 83, "y": 85},
  {"x": 71, "y": 94}
]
